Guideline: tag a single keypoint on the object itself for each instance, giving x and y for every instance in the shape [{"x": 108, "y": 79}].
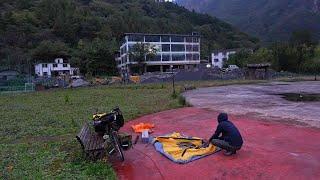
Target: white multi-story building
[
  {"x": 55, "y": 69},
  {"x": 173, "y": 50},
  {"x": 218, "y": 58}
]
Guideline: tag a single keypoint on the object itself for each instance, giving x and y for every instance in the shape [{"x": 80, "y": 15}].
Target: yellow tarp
[{"x": 173, "y": 147}]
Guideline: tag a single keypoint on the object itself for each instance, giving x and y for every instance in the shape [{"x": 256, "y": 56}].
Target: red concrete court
[{"x": 271, "y": 150}]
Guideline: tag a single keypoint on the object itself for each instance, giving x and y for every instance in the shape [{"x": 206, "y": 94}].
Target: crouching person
[{"x": 227, "y": 136}]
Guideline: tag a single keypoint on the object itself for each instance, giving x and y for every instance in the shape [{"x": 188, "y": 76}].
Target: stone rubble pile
[{"x": 193, "y": 75}]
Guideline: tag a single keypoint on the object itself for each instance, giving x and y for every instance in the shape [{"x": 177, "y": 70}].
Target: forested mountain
[
  {"x": 88, "y": 32},
  {"x": 270, "y": 20}
]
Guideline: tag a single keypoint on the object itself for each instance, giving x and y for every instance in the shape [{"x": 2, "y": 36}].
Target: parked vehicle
[
  {"x": 76, "y": 77},
  {"x": 232, "y": 67}
]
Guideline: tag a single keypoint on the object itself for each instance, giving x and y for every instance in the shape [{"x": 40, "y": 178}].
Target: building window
[
  {"x": 121, "y": 51},
  {"x": 165, "y": 38},
  {"x": 131, "y": 58},
  {"x": 155, "y": 58},
  {"x": 189, "y": 57},
  {"x": 130, "y": 47},
  {"x": 216, "y": 60},
  {"x": 189, "y": 47},
  {"x": 55, "y": 65},
  {"x": 189, "y": 39},
  {"x": 196, "y": 57},
  {"x": 178, "y": 57},
  {"x": 177, "y": 39},
  {"x": 195, "y": 40},
  {"x": 166, "y": 47},
  {"x": 136, "y": 38},
  {"x": 195, "y": 48},
  {"x": 166, "y": 57},
  {"x": 151, "y": 38},
  {"x": 45, "y": 74},
  {"x": 124, "y": 59},
  {"x": 44, "y": 65},
  {"x": 65, "y": 65},
  {"x": 178, "y": 47}
]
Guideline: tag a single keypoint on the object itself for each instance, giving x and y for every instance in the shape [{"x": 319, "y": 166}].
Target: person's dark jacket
[{"x": 229, "y": 131}]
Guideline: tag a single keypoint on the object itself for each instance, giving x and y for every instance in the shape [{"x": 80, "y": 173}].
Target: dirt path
[{"x": 271, "y": 150}]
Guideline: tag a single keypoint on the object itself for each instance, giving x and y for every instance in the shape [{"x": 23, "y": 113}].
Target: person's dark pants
[{"x": 224, "y": 145}]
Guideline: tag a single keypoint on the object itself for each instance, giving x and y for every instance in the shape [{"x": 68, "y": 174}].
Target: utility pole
[{"x": 173, "y": 84}]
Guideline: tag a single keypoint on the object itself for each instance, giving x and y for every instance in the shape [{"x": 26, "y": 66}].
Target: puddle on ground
[{"x": 300, "y": 97}]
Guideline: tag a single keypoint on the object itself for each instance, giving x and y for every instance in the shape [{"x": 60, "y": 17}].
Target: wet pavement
[
  {"x": 261, "y": 101},
  {"x": 271, "y": 150}
]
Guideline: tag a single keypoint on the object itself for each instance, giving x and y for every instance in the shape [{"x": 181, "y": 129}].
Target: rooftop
[{"x": 146, "y": 34}]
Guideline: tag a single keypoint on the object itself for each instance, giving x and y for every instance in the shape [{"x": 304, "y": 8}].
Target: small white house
[
  {"x": 54, "y": 69},
  {"x": 219, "y": 57}
]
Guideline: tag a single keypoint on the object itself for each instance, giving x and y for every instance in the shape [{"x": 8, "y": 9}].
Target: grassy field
[{"x": 38, "y": 129}]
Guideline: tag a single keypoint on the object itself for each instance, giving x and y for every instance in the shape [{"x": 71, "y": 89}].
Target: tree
[
  {"x": 287, "y": 57},
  {"x": 45, "y": 29},
  {"x": 244, "y": 57},
  {"x": 304, "y": 44},
  {"x": 96, "y": 57},
  {"x": 48, "y": 50},
  {"x": 312, "y": 67},
  {"x": 303, "y": 37},
  {"x": 240, "y": 59},
  {"x": 14, "y": 58},
  {"x": 142, "y": 52}
]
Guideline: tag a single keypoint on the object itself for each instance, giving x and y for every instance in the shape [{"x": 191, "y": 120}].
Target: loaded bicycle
[{"x": 108, "y": 125}]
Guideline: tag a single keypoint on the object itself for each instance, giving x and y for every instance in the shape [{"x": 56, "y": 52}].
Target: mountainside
[
  {"x": 270, "y": 20},
  {"x": 88, "y": 32}
]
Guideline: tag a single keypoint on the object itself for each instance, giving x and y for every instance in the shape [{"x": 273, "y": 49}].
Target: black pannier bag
[
  {"x": 118, "y": 117},
  {"x": 102, "y": 121}
]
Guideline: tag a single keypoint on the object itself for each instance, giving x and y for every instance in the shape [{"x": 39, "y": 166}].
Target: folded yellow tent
[{"x": 182, "y": 149}]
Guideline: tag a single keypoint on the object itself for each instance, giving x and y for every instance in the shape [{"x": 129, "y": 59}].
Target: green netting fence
[
  {"x": 19, "y": 84},
  {"x": 27, "y": 87}
]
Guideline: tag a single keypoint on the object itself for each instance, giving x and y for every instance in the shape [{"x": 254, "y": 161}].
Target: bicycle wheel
[{"x": 117, "y": 145}]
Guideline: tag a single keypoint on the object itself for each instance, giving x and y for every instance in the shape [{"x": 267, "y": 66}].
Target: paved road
[{"x": 261, "y": 101}]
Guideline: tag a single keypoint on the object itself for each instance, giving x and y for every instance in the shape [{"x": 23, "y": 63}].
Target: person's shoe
[{"x": 229, "y": 153}]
